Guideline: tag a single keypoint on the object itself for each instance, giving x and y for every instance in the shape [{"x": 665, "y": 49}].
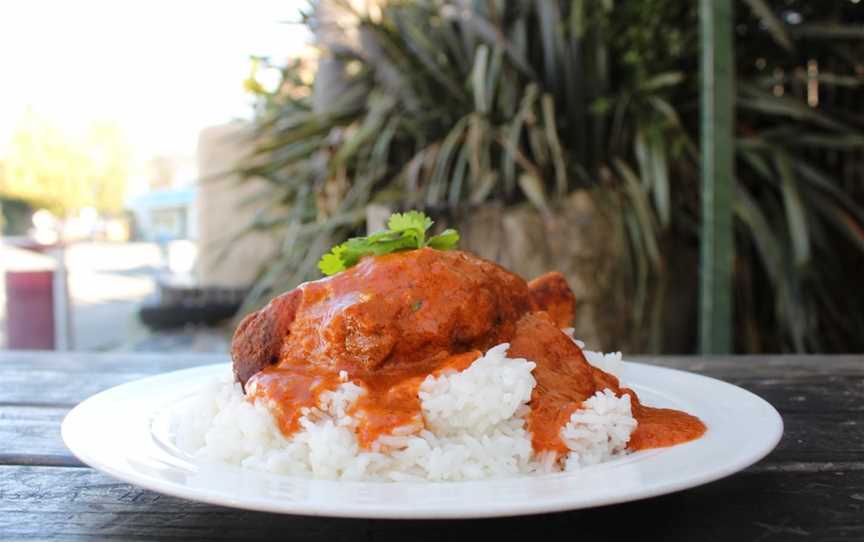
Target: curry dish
[{"x": 392, "y": 320}]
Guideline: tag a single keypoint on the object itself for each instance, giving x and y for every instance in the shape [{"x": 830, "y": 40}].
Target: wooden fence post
[{"x": 718, "y": 155}]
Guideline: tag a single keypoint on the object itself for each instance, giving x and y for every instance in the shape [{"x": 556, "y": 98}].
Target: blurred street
[{"x": 107, "y": 283}]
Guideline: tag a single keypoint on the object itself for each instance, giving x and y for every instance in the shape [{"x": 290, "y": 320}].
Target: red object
[{"x": 30, "y": 310}]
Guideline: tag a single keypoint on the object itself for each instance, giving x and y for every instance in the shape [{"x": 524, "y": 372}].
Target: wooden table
[{"x": 810, "y": 488}]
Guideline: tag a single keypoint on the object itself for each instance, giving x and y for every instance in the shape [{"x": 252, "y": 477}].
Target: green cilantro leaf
[
  {"x": 330, "y": 264},
  {"x": 406, "y": 231},
  {"x": 412, "y": 224},
  {"x": 446, "y": 240},
  {"x": 411, "y": 220}
]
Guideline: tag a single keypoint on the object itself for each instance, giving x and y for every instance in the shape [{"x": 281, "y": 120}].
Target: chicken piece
[
  {"x": 564, "y": 378},
  {"x": 402, "y": 308},
  {"x": 258, "y": 338},
  {"x": 550, "y": 293},
  {"x": 561, "y": 367}
]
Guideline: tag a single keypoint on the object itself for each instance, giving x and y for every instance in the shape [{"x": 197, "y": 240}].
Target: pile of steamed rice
[{"x": 473, "y": 426}]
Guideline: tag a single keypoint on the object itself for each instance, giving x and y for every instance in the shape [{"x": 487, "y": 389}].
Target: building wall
[{"x": 220, "y": 214}]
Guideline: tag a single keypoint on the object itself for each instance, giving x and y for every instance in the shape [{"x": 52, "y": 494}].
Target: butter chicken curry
[{"x": 391, "y": 320}]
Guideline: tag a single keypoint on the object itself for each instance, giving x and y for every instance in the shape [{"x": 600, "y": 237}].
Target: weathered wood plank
[
  {"x": 823, "y": 394},
  {"x": 793, "y": 393},
  {"x": 67, "y": 503},
  {"x": 791, "y": 383},
  {"x": 811, "y": 486},
  {"x": 820, "y": 437},
  {"x": 56, "y": 387},
  {"x": 821, "y": 412},
  {"x": 52, "y": 387},
  {"x": 764, "y": 366},
  {"x": 775, "y": 366},
  {"x": 66, "y": 379},
  {"x": 90, "y": 362},
  {"x": 31, "y": 436}
]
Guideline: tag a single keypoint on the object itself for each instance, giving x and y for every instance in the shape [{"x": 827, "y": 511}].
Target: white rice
[
  {"x": 479, "y": 398},
  {"x": 599, "y": 430},
  {"x": 472, "y": 427},
  {"x": 609, "y": 362}
]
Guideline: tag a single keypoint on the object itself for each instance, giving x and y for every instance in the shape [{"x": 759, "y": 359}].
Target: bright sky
[{"x": 163, "y": 69}]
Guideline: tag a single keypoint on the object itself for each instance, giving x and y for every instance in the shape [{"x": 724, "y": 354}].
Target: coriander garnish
[{"x": 405, "y": 231}]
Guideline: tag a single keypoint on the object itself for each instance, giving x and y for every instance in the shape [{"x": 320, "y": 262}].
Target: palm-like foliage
[
  {"x": 443, "y": 104},
  {"x": 800, "y": 178}
]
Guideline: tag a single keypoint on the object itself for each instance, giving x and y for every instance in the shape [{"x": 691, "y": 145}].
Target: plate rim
[{"x": 375, "y": 511}]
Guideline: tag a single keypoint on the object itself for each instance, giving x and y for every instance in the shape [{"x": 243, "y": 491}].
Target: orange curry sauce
[
  {"x": 391, "y": 399},
  {"x": 393, "y": 320}
]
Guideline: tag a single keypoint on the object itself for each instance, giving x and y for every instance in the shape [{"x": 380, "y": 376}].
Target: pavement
[{"x": 107, "y": 283}]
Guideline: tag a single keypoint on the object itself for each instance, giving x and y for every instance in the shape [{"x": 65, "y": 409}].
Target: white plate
[{"x": 124, "y": 432}]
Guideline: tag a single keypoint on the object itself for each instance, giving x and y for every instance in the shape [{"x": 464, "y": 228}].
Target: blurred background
[{"x": 166, "y": 167}]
